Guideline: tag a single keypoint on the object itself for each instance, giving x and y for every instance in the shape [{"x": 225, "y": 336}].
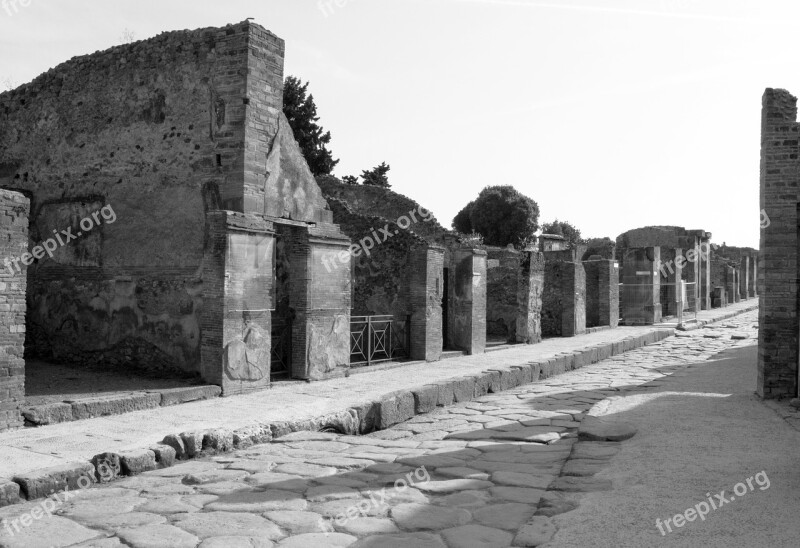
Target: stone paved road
[{"x": 488, "y": 473}]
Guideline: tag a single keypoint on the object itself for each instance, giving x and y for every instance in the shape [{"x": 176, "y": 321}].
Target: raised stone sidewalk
[{"x": 48, "y": 458}]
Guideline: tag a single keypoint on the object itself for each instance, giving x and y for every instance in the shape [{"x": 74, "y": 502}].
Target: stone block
[
  {"x": 604, "y": 352},
  {"x": 524, "y": 373},
  {"x": 102, "y": 407},
  {"x": 253, "y": 435},
  {"x": 192, "y": 443},
  {"x": 218, "y": 440},
  {"x": 396, "y": 409},
  {"x": 369, "y": 417},
  {"x": 617, "y": 348},
  {"x": 41, "y": 483},
  {"x": 463, "y": 389},
  {"x": 107, "y": 467},
  {"x": 164, "y": 455},
  {"x": 50, "y": 413},
  {"x": 136, "y": 462},
  {"x": 9, "y": 492},
  {"x": 494, "y": 380},
  {"x": 425, "y": 398},
  {"x": 176, "y": 396},
  {"x": 483, "y": 383},
  {"x": 176, "y": 443},
  {"x": 446, "y": 395}
]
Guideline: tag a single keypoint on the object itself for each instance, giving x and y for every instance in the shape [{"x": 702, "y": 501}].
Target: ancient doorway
[{"x": 445, "y": 308}]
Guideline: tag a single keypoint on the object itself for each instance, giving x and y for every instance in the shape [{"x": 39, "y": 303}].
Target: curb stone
[{"x": 363, "y": 419}]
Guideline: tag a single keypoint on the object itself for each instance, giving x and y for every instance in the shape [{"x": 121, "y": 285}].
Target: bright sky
[{"x": 610, "y": 114}]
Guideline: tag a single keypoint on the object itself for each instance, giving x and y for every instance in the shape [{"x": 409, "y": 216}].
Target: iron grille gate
[{"x": 376, "y": 339}]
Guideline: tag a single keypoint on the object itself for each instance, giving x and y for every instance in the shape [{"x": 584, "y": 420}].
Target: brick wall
[
  {"x": 602, "y": 293},
  {"x": 502, "y": 285},
  {"x": 14, "y": 208}
]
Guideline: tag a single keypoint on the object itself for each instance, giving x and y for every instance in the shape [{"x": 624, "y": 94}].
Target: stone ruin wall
[{"x": 156, "y": 130}]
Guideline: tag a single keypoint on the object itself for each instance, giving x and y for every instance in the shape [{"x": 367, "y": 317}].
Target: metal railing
[{"x": 375, "y": 339}]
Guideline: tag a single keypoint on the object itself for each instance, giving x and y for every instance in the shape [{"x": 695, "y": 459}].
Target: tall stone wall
[
  {"x": 162, "y": 132},
  {"x": 529, "y": 297},
  {"x": 14, "y": 209}
]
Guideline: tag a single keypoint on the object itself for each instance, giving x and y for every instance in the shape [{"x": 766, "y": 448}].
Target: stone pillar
[
  {"x": 564, "y": 300},
  {"x": 238, "y": 281},
  {"x": 641, "y": 287},
  {"x": 671, "y": 270},
  {"x": 14, "y": 210},
  {"x": 427, "y": 285},
  {"x": 753, "y": 290},
  {"x": 744, "y": 278},
  {"x": 731, "y": 287},
  {"x": 602, "y": 292},
  {"x": 529, "y": 297},
  {"x": 320, "y": 298},
  {"x": 705, "y": 276},
  {"x": 469, "y": 300}
]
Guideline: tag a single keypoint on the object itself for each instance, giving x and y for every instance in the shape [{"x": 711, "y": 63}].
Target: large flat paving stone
[
  {"x": 318, "y": 540},
  {"x": 415, "y": 517},
  {"x": 47, "y": 532},
  {"x": 401, "y": 540},
  {"x": 258, "y": 501},
  {"x": 158, "y": 536},
  {"x": 211, "y": 524},
  {"x": 477, "y": 536},
  {"x": 504, "y": 516}
]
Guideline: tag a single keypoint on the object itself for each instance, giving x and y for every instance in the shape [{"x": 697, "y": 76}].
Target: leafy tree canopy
[
  {"x": 502, "y": 215},
  {"x": 300, "y": 110},
  {"x": 565, "y": 229}
]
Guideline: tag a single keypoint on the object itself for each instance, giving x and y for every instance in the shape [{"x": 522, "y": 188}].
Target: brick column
[
  {"x": 529, "y": 297},
  {"x": 602, "y": 292},
  {"x": 641, "y": 289},
  {"x": 753, "y": 276},
  {"x": 564, "y": 307},
  {"x": 671, "y": 270},
  {"x": 320, "y": 279},
  {"x": 238, "y": 280},
  {"x": 744, "y": 278},
  {"x": 427, "y": 285},
  {"x": 469, "y": 300},
  {"x": 14, "y": 210}
]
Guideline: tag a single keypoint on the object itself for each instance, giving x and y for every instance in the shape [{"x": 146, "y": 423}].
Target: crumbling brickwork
[
  {"x": 502, "y": 283},
  {"x": 14, "y": 209}
]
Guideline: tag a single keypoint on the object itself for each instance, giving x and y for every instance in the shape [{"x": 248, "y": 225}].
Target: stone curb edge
[
  {"x": 702, "y": 323},
  {"x": 393, "y": 408}
]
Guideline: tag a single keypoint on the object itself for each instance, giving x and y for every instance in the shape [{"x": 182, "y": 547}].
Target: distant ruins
[{"x": 227, "y": 259}]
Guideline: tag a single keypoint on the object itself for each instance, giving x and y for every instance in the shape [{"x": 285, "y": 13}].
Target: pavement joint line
[{"x": 395, "y": 407}]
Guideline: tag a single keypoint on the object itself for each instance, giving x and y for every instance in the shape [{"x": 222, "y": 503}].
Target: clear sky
[{"x": 610, "y": 114}]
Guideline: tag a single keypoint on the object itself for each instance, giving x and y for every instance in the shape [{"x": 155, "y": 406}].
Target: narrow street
[{"x": 504, "y": 470}]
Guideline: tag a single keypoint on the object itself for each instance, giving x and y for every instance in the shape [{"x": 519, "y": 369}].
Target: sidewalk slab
[{"x": 351, "y": 405}]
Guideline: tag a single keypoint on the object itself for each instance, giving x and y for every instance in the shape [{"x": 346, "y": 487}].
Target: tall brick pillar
[
  {"x": 731, "y": 285},
  {"x": 529, "y": 297},
  {"x": 602, "y": 292},
  {"x": 468, "y": 300},
  {"x": 641, "y": 289},
  {"x": 14, "y": 210},
  {"x": 564, "y": 305},
  {"x": 671, "y": 270},
  {"x": 427, "y": 284},
  {"x": 753, "y": 289},
  {"x": 705, "y": 275},
  {"x": 744, "y": 278},
  {"x": 238, "y": 280},
  {"x": 320, "y": 281}
]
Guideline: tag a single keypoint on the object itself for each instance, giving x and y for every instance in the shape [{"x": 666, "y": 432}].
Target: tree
[
  {"x": 377, "y": 176},
  {"x": 565, "y": 229},
  {"x": 350, "y": 180},
  {"x": 301, "y": 112},
  {"x": 502, "y": 215}
]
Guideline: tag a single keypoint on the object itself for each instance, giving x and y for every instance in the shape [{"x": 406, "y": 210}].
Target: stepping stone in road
[{"x": 605, "y": 429}]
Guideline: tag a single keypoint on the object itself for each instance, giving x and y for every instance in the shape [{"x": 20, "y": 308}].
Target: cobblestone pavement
[{"x": 488, "y": 473}]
